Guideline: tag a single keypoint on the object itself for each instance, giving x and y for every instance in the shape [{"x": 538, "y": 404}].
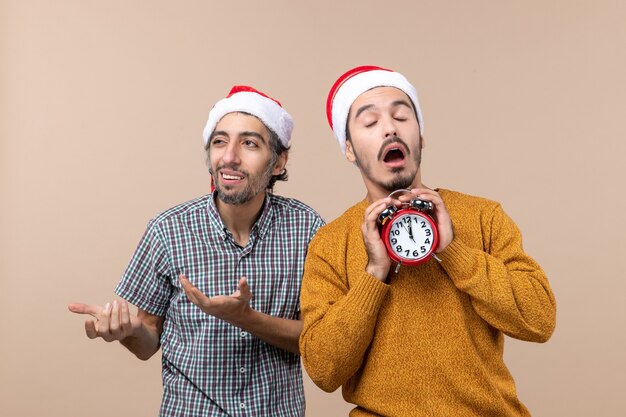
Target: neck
[
  {"x": 376, "y": 192},
  {"x": 240, "y": 218}
]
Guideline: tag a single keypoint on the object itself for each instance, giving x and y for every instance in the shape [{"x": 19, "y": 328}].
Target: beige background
[{"x": 102, "y": 108}]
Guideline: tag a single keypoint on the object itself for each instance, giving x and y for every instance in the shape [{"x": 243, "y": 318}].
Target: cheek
[
  {"x": 367, "y": 153},
  {"x": 212, "y": 160},
  {"x": 258, "y": 162},
  {"x": 365, "y": 145}
]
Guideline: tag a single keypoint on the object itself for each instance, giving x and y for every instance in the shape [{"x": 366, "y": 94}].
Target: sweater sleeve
[
  {"x": 508, "y": 288},
  {"x": 339, "y": 319}
]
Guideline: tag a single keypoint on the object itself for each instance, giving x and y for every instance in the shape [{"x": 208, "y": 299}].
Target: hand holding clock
[
  {"x": 440, "y": 212},
  {"x": 378, "y": 261}
]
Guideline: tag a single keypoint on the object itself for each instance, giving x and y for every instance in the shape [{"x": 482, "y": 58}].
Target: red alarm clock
[{"x": 409, "y": 232}]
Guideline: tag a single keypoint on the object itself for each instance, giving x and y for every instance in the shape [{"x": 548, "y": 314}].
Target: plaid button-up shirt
[{"x": 211, "y": 368}]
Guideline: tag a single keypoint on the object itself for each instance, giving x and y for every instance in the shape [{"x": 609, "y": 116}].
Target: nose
[
  {"x": 231, "y": 153},
  {"x": 389, "y": 128}
]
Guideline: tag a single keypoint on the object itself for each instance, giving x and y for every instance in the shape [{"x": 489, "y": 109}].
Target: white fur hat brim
[
  {"x": 268, "y": 110},
  {"x": 354, "y": 83}
]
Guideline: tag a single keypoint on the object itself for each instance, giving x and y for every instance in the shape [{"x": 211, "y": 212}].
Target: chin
[{"x": 398, "y": 182}]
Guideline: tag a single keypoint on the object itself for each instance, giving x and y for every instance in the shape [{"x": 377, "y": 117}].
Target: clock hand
[{"x": 411, "y": 232}]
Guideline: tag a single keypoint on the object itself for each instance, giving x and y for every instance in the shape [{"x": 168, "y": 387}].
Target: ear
[
  {"x": 422, "y": 142},
  {"x": 280, "y": 163},
  {"x": 350, "y": 152}
]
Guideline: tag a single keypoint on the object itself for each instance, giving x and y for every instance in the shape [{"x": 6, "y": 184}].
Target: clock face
[{"x": 411, "y": 237}]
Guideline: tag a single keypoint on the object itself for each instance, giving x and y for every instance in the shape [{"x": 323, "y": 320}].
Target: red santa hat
[
  {"x": 354, "y": 83},
  {"x": 246, "y": 99}
]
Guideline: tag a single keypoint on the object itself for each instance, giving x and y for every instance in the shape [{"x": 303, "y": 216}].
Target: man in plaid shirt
[{"x": 225, "y": 352}]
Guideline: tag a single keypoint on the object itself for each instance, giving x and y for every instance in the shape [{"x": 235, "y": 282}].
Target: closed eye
[
  {"x": 370, "y": 121},
  {"x": 402, "y": 114}
]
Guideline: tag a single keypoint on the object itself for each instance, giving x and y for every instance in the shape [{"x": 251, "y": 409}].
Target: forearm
[
  {"x": 145, "y": 338},
  {"x": 279, "y": 332},
  {"x": 338, "y": 330},
  {"x": 513, "y": 296}
]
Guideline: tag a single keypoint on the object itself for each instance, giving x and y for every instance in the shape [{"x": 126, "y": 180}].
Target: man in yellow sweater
[{"x": 426, "y": 340}]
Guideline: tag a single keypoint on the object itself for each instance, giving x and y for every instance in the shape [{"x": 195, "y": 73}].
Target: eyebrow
[
  {"x": 394, "y": 104},
  {"x": 362, "y": 109},
  {"x": 242, "y": 134},
  {"x": 252, "y": 133},
  {"x": 402, "y": 103},
  {"x": 218, "y": 133}
]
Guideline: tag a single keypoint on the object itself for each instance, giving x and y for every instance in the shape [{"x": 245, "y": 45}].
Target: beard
[
  {"x": 401, "y": 178},
  {"x": 400, "y": 181},
  {"x": 256, "y": 184}
]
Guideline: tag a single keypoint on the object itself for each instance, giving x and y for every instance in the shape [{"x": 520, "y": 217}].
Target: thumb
[
  {"x": 90, "y": 329},
  {"x": 244, "y": 289}
]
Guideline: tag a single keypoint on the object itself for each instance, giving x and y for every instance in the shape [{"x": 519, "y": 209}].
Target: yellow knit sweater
[{"x": 429, "y": 341}]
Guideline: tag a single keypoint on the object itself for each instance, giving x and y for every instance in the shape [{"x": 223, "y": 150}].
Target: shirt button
[
  {"x": 242, "y": 370},
  {"x": 242, "y": 405},
  {"x": 242, "y": 334}
]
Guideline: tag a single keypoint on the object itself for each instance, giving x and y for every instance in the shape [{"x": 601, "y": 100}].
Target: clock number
[
  {"x": 423, "y": 249},
  {"x": 428, "y": 232},
  {"x": 407, "y": 252},
  {"x": 399, "y": 248},
  {"x": 415, "y": 253},
  {"x": 423, "y": 225},
  {"x": 394, "y": 240},
  {"x": 395, "y": 232},
  {"x": 427, "y": 241}
]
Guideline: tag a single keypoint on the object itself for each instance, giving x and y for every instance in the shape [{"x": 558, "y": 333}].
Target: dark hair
[{"x": 278, "y": 149}]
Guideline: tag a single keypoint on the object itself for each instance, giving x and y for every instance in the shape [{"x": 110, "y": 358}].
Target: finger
[
  {"x": 184, "y": 282},
  {"x": 80, "y": 308},
  {"x": 114, "y": 323},
  {"x": 188, "y": 288},
  {"x": 423, "y": 190},
  {"x": 426, "y": 194},
  {"x": 244, "y": 289},
  {"x": 376, "y": 204},
  {"x": 373, "y": 211},
  {"x": 195, "y": 295},
  {"x": 103, "y": 321},
  {"x": 125, "y": 324},
  {"x": 90, "y": 329}
]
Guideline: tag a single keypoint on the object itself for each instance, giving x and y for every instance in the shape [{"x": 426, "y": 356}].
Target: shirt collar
[{"x": 260, "y": 227}]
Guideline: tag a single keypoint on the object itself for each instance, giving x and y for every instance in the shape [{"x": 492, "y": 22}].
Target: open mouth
[
  {"x": 393, "y": 155},
  {"x": 231, "y": 177}
]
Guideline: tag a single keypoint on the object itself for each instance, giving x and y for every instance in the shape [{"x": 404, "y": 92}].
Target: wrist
[
  {"x": 245, "y": 318},
  {"x": 378, "y": 272},
  {"x": 445, "y": 239}
]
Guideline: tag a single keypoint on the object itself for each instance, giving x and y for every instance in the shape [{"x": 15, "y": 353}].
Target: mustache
[
  {"x": 393, "y": 139},
  {"x": 228, "y": 166}
]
